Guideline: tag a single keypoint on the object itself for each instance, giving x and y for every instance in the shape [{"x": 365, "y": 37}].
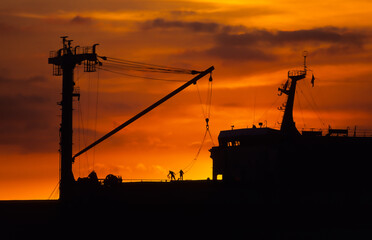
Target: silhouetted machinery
[
  {"x": 64, "y": 61},
  {"x": 276, "y": 162}
]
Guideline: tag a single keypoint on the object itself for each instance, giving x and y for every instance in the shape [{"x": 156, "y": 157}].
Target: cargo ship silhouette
[{"x": 250, "y": 165}]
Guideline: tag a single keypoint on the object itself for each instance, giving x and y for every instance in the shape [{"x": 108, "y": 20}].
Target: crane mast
[{"x": 64, "y": 62}]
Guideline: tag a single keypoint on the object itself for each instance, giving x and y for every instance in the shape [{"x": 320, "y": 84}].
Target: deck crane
[{"x": 64, "y": 61}]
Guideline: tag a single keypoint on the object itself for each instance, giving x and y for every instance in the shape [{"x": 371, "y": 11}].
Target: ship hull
[{"x": 299, "y": 165}]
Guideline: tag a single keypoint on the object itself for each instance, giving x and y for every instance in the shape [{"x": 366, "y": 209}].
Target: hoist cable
[
  {"x": 209, "y": 96},
  {"x": 209, "y": 105},
  {"x": 210, "y": 135},
  {"x": 206, "y": 114},
  {"x": 201, "y": 101},
  {"x": 207, "y": 109}
]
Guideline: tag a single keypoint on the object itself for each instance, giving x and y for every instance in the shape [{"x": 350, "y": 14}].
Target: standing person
[{"x": 181, "y": 175}]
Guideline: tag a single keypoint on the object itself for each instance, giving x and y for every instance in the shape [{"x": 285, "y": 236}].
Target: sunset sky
[{"x": 252, "y": 45}]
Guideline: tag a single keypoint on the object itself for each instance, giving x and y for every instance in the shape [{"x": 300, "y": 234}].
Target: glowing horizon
[{"x": 252, "y": 46}]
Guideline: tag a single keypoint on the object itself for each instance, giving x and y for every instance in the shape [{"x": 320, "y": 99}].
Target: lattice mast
[{"x": 64, "y": 61}]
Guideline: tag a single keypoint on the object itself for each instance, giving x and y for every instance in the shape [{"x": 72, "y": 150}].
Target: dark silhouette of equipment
[
  {"x": 251, "y": 164},
  {"x": 64, "y": 62},
  {"x": 112, "y": 180}
]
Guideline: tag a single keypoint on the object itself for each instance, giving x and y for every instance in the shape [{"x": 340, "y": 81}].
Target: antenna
[
  {"x": 305, "y": 55},
  {"x": 64, "y": 41}
]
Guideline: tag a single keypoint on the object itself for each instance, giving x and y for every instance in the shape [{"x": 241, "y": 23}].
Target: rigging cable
[
  {"x": 54, "y": 190},
  {"x": 312, "y": 103},
  {"x": 191, "y": 164},
  {"x": 122, "y": 67},
  {"x": 136, "y": 76},
  {"x": 299, "y": 104},
  {"x": 146, "y": 67},
  {"x": 81, "y": 130},
  {"x": 95, "y": 120}
]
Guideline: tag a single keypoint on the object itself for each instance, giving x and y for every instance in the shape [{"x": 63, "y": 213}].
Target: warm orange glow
[{"x": 252, "y": 46}]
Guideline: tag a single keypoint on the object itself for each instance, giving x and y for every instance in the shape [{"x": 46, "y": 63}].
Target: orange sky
[{"x": 251, "y": 44}]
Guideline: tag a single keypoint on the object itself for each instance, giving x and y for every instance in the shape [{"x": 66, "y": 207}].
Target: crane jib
[{"x": 117, "y": 129}]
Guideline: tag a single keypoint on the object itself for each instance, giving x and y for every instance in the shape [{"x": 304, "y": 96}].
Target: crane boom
[{"x": 117, "y": 129}]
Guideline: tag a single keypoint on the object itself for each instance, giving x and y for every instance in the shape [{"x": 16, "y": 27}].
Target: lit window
[{"x": 219, "y": 176}]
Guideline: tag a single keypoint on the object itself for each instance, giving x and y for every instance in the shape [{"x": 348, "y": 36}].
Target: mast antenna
[
  {"x": 288, "y": 126},
  {"x": 305, "y": 55}
]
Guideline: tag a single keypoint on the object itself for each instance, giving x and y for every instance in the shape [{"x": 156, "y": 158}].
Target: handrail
[
  {"x": 352, "y": 132},
  {"x": 295, "y": 73}
]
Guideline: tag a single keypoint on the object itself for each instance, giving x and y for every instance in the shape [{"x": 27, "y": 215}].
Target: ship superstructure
[{"x": 287, "y": 159}]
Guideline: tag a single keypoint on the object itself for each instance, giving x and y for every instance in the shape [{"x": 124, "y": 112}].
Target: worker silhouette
[
  {"x": 181, "y": 175},
  {"x": 172, "y": 175}
]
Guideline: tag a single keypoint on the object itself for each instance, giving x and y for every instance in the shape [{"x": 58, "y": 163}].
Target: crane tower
[{"x": 64, "y": 61}]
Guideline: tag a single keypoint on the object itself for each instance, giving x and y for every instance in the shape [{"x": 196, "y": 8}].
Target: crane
[{"x": 64, "y": 62}]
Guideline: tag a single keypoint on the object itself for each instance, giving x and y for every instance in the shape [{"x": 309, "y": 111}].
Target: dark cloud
[
  {"x": 6, "y": 28},
  {"x": 25, "y": 125},
  {"x": 181, "y": 13},
  {"x": 241, "y": 35},
  {"x": 274, "y": 38},
  {"x": 240, "y": 43},
  {"x": 194, "y": 26},
  {"x": 81, "y": 20},
  {"x": 237, "y": 53},
  {"x": 29, "y": 114},
  {"x": 160, "y": 23},
  {"x": 260, "y": 45}
]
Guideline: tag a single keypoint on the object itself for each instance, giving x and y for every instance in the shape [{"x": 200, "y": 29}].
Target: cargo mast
[
  {"x": 64, "y": 61},
  {"x": 288, "y": 126}
]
